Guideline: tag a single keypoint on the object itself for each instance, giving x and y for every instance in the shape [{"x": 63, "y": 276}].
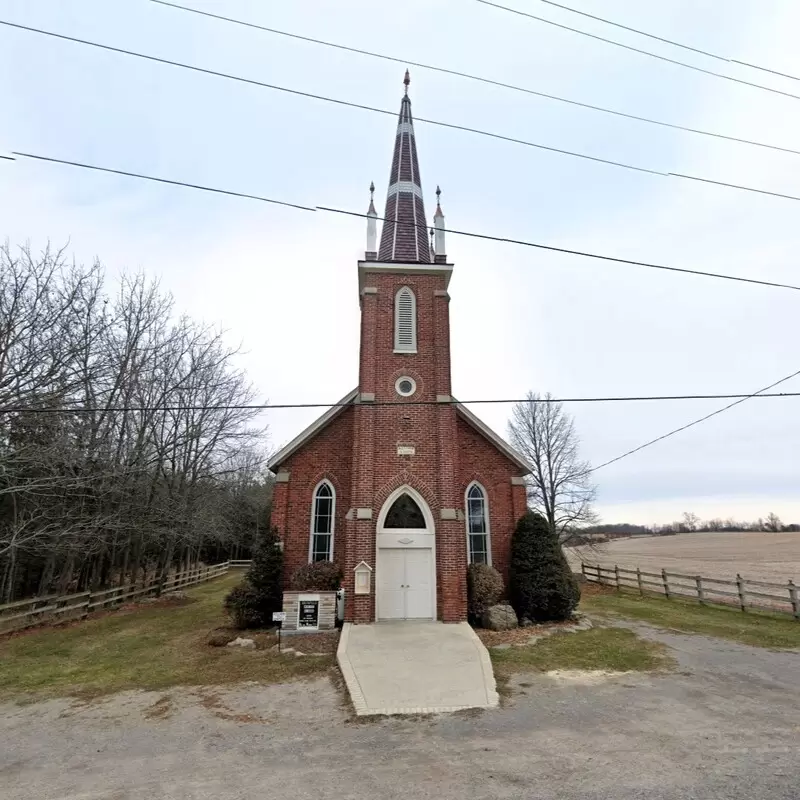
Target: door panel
[
  {"x": 418, "y": 584},
  {"x": 391, "y": 580},
  {"x": 404, "y": 583}
]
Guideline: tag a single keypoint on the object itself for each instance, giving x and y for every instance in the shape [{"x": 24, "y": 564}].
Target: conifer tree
[{"x": 541, "y": 584}]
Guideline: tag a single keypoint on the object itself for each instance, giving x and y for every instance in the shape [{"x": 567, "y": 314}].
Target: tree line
[
  {"x": 147, "y": 466},
  {"x": 691, "y": 523}
]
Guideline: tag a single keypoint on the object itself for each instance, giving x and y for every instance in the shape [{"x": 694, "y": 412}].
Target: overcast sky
[{"x": 284, "y": 282}]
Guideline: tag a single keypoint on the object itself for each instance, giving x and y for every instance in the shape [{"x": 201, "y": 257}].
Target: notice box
[{"x": 308, "y": 612}]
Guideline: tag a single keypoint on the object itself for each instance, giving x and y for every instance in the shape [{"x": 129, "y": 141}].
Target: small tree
[
  {"x": 541, "y": 584},
  {"x": 261, "y": 592}
]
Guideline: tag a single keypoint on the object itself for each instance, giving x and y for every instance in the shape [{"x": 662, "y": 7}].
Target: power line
[
  {"x": 455, "y": 232},
  {"x": 409, "y": 63},
  {"x": 164, "y": 180},
  {"x": 638, "y": 50},
  {"x": 374, "y": 110},
  {"x": 663, "y": 39},
  {"x": 380, "y": 403},
  {"x": 759, "y": 393}
]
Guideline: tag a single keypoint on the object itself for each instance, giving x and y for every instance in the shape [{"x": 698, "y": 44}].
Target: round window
[{"x": 405, "y": 386}]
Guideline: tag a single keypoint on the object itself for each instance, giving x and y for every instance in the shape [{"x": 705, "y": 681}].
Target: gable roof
[
  {"x": 349, "y": 399},
  {"x": 501, "y": 444},
  {"x": 312, "y": 430}
]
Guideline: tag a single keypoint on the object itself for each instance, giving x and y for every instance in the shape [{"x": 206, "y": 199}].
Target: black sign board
[{"x": 309, "y": 614}]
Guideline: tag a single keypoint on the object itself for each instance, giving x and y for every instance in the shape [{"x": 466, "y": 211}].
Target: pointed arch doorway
[{"x": 405, "y": 575}]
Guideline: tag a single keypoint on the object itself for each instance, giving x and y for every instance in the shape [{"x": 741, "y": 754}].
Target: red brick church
[{"x": 398, "y": 480}]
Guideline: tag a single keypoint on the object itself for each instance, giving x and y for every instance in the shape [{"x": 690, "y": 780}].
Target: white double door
[{"x": 405, "y": 585}]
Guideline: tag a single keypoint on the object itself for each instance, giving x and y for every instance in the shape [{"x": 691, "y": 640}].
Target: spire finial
[
  {"x": 438, "y": 192},
  {"x": 407, "y": 80},
  {"x": 371, "y": 189}
]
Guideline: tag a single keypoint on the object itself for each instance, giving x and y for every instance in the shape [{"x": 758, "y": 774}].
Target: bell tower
[{"x": 405, "y": 430}]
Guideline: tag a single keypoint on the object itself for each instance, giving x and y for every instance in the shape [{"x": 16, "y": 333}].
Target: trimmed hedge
[
  {"x": 318, "y": 576},
  {"x": 484, "y": 589}
]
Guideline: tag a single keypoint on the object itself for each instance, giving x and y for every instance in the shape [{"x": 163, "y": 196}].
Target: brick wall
[
  {"x": 327, "y": 456},
  {"x": 480, "y": 460}
]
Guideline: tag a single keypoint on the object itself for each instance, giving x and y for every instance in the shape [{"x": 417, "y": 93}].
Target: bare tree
[
  {"x": 124, "y": 450},
  {"x": 690, "y": 521},
  {"x": 773, "y": 522},
  {"x": 560, "y": 485}
]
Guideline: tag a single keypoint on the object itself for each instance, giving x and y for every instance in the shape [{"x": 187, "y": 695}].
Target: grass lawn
[
  {"x": 144, "y": 648},
  {"x": 757, "y": 628},
  {"x": 612, "y": 649}
]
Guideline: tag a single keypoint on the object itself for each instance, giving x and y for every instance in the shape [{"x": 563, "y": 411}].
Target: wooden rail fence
[
  {"x": 57, "y": 608},
  {"x": 698, "y": 587}
]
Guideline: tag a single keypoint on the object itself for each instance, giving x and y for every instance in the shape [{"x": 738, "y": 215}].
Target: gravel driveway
[{"x": 725, "y": 724}]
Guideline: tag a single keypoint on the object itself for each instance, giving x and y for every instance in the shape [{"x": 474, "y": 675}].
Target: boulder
[
  {"x": 245, "y": 644},
  {"x": 499, "y": 618},
  {"x": 219, "y": 637}
]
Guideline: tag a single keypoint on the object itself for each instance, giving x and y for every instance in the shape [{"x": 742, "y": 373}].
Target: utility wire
[
  {"x": 455, "y": 232},
  {"x": 408, "y": 62},
  {"x": 164, "y": 180},
  {"x": 638, "y": 50},
  {"x": 663, "y": 39},
  {"x": 272, "y": 406},
  {"x": 759, "y": 393},
  {"x": 374, "y": 110}
]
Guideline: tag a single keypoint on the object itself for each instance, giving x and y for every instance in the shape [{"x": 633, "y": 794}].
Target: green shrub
[
  {"x": 242, "y": 605},
  {"x": 319, "y": 576},
  {"x": 252, "y": 602},
  {"x": 541, "y": 584},
  {"x": 484, "y": 589}
]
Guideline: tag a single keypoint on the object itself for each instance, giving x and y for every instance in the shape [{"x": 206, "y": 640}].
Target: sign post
[{"x": 280, "y": 618}]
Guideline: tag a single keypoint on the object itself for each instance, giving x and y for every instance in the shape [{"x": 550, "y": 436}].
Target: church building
[{"x": 398, "y": 483}]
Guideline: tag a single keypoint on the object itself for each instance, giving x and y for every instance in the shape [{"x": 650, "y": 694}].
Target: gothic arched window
[
  {"x": 405, "y": 513},
  {"x": 405, "y": 321},
  {"x": 322, "y": 516},
  {"x": 478, "y": 548}
]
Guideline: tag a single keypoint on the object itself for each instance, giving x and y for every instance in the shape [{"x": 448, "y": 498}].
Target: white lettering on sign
[
  {"x": 406, "y": 450},
  {"x": 279, "y": 616}
]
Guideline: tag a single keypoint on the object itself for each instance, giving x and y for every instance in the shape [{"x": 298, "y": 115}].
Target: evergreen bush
[
  {"x": 541, "y": 584},
  {"x": 484, "y": 589},
  {"x": 252, "y": 602},
  {"x": 319, "y": 576}
]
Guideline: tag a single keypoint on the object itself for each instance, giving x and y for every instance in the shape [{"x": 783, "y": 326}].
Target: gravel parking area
[{"x": 723, "y": 725}]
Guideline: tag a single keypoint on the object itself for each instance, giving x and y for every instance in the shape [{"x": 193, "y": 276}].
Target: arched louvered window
[
  {"x": 322, "y": 518},
  {"x": 405, "y": 321},
  {"x": 479, "y": 550}
]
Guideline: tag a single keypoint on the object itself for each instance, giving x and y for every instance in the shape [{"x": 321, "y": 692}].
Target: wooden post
[
  {"x": 665, "y": 582},
  {"x": 741, "y": 590},
  {"x": 583, "y": 570},
  {"x": 793, "y": 599},
  {"x": 639, "y": 580},
  {"x": 700, "y": 596},
  {"x": 616, "y": 576},
  {"x": 87, "y": 608}
]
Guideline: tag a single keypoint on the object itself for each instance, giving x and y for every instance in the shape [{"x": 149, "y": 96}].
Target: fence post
[
  {"x": 700, "y": 596},
  {"x": 639, "y": 580},
  {"x": 616, "y": 577},
  {"x": 88, "y": 606},
  {"x": 793, "y": 599},
  {"x": 741, "y": 590},
  {"x": 665, "y": 582},
  {"x": 583, "y": 570}
]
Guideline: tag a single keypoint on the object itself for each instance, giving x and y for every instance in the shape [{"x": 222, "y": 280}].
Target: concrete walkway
[{"x": 415, "y": 668}]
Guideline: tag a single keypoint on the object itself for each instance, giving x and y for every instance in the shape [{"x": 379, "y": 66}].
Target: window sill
[{"x": 406, "y": 352}]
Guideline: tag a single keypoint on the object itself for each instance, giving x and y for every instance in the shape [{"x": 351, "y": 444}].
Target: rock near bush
[
  {"x": 219, "y": 637},
  {"x": 499, "y": 618}
]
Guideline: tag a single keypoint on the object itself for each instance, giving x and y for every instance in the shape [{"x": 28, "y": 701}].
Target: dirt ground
[
  {"x": 758, "y": 556},
  {"x": 722, "y": 725}
]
